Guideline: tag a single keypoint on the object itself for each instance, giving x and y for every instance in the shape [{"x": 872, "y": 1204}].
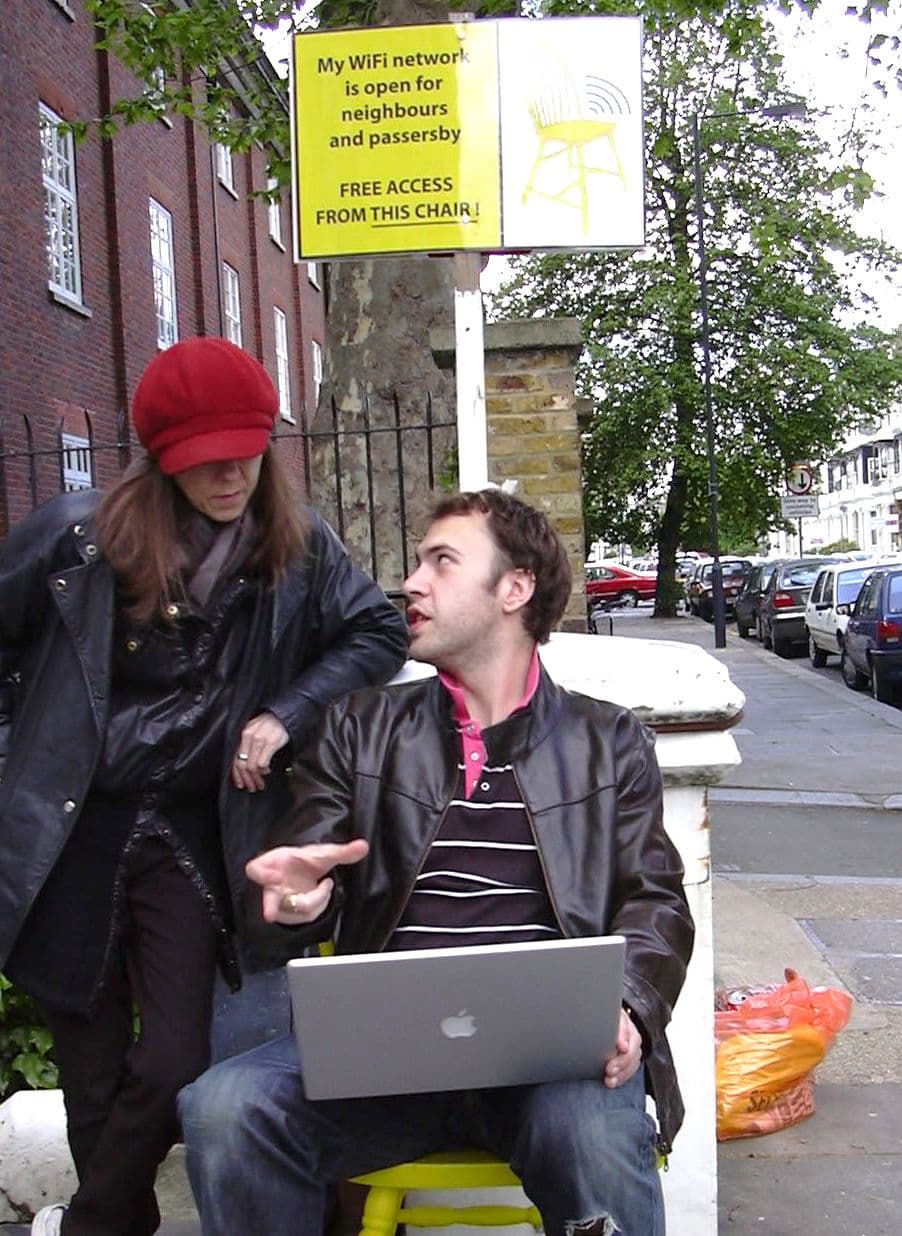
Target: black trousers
[{"x": 119, "y": 1089}]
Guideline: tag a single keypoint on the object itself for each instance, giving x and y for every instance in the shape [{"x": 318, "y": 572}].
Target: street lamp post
[{"x": 794, "y": 108}]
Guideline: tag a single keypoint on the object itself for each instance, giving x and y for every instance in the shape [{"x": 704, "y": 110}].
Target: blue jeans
[{"x": 260, "y": 1155}]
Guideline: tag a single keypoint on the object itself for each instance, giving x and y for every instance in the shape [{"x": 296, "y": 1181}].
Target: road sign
[
  {"x": 799, "y": 506},
  {"x": 800, "y": 478}
]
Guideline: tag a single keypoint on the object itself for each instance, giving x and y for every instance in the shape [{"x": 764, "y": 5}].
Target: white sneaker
[{"x": 47, "y": 1221}]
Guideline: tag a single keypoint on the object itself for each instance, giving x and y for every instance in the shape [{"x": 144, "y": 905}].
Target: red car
[{"x": 618, "y": 584}]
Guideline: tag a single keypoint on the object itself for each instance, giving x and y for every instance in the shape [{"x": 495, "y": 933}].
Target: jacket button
[
  {"x": 59, "y": 584},
  {"x": 68, "y": 806},
  {"x": 79, "y": 529},
  {"x": 172, "y": 611},
  {"x": 91, "y": 550},
  {"x": 132, "y": 645}
]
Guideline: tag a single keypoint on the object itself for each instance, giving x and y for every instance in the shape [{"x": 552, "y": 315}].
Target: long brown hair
[{"x": 139, "y": 525}]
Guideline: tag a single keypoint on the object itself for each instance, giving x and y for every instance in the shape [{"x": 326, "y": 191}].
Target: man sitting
[{"x": 387, "y": 849}]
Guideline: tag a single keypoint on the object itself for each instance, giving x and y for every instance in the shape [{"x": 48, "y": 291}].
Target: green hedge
[{"x": 26, "y": 1044}]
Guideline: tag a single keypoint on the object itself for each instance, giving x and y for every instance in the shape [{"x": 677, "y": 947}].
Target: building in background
[
  {"x": 111, "y": 250},
  {"x": 859, "y": 496}
]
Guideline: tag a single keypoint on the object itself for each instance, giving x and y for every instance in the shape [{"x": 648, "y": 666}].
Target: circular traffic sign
[{"x": 800, "y": 478}]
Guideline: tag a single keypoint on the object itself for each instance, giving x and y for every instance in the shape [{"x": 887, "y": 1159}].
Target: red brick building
[{"x": 112, "y": 249}]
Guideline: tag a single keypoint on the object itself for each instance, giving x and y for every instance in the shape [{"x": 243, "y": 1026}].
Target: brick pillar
[{"x": 532, "y": 431}]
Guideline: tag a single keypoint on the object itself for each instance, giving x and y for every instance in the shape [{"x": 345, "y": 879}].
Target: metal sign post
[{"x": 472, "y": 448}]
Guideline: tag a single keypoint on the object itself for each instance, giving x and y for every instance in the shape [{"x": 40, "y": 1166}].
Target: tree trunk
[{"x": 379, "y": 316}]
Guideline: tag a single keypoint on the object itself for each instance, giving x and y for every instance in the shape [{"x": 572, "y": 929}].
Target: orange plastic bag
[{"x": 768, "y": 1045}]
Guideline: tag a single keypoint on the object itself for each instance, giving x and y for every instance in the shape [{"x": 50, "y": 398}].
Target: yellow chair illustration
[{"x": 570, "y": 116}]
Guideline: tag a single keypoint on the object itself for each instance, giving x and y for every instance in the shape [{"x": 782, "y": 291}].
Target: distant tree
[{"x": 796, "y": 358}]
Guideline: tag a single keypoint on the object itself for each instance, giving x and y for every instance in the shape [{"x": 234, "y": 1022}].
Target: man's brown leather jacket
[{"x": 385, "y": 767}]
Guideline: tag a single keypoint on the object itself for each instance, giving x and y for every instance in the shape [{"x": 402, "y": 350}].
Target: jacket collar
[{"x": 517, "y": 734}]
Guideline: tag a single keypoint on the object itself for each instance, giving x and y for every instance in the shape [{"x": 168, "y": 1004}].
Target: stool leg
[{"x": 380, "y": 1214}]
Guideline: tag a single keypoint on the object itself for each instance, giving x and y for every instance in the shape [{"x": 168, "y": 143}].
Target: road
[{"x": 807, "y": 862}]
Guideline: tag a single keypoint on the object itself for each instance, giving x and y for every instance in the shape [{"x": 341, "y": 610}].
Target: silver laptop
[{"x": 456, "y": 1018}]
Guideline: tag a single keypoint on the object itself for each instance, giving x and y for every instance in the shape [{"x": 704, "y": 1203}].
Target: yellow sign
[{"x": 404, "y": 136}]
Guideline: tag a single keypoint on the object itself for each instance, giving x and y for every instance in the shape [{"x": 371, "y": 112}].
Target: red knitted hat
[{"x": 202, "y": 401}]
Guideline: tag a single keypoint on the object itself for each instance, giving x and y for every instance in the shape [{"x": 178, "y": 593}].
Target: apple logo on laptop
[{"x": 460, "y": 1026}]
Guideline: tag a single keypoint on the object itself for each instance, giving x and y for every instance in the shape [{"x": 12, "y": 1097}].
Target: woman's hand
[{"x": 260, "y": 739}]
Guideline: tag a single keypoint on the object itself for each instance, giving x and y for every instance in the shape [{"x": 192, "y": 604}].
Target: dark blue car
[{"x": 872, "y": 646}]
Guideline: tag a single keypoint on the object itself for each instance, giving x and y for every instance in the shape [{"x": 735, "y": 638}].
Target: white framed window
[
  {"x": 231, "y": 303},
  {"x": 316, "y": 351},
  {"x": 76, "y": 463},
  {"x": 224, "y": 168},
  {"x": 283, "y": 374},
  {"x": 60, "y": 206},
  {"x": 313, "y": 273},
  {"x": 156, "y": 90},
  {"x": 275, "y": 214},
  {"x": 162, "y": 259}
]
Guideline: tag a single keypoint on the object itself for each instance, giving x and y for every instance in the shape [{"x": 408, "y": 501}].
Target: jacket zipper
[{"x": 539, "y": 854}]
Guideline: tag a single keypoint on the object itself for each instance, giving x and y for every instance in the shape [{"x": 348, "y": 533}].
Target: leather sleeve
[
  {"x": 649, "y": 906},
  {"x": 322, "y": 789},
  {"x": 357, "y": 638},
  {"x": 29, "y": 554}
]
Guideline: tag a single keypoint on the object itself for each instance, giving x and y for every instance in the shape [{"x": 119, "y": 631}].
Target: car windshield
[
  {"x": 800, "y": 576},
  {"x": 848, "y": 585}
]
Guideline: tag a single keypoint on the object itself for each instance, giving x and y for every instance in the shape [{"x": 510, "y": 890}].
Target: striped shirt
[{"x": 481, "y": 882}]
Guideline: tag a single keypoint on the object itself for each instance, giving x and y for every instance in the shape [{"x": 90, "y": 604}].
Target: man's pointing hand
[{"x": 295, "y": 878}]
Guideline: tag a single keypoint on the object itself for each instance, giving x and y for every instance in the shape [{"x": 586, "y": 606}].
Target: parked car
[
  {"x": 611, "y": 582},
  {"x": 781, "y": 612},
  {"x": 827, "y": 609},
  {"x": 748, "y": 598},
  {"x": 872, "y": 645},
  {"x": 699, "y": 590}
]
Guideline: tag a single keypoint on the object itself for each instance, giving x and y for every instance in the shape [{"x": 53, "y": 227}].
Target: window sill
[
  {"x": 69, "y": 302},
  {"x": 286, "y": 416},
  {"x": 232, "y": 192},
  {"x": 275, "y": 240},
  {"x": 64, "y": 8}
]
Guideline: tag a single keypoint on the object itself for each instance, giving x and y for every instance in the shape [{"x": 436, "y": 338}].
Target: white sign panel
[
  {"x": 571, "y": 133},
  {"x": 799, "y": 506}
]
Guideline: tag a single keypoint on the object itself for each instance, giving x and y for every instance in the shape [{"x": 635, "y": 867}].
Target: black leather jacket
[
  {"x": 384, "y": 767},
  {"x": 325, "y": 629}
]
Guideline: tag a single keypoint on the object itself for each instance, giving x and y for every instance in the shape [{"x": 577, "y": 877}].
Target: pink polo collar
[{"x": 472, "y": 745}]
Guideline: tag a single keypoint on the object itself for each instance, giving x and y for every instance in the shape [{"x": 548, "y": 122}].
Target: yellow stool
[{"x": 462, "y": 1169}]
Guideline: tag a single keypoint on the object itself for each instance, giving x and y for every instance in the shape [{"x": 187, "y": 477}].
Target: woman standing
[{"x": 164, "y": 649}]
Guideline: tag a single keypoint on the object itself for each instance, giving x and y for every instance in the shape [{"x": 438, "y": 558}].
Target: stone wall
[{"x": 532, "y": 429}]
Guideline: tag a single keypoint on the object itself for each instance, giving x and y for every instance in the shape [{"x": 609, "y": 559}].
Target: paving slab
[
  {"x": 839, "y": 1173},
  {"x": 788, "y": 839}
]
